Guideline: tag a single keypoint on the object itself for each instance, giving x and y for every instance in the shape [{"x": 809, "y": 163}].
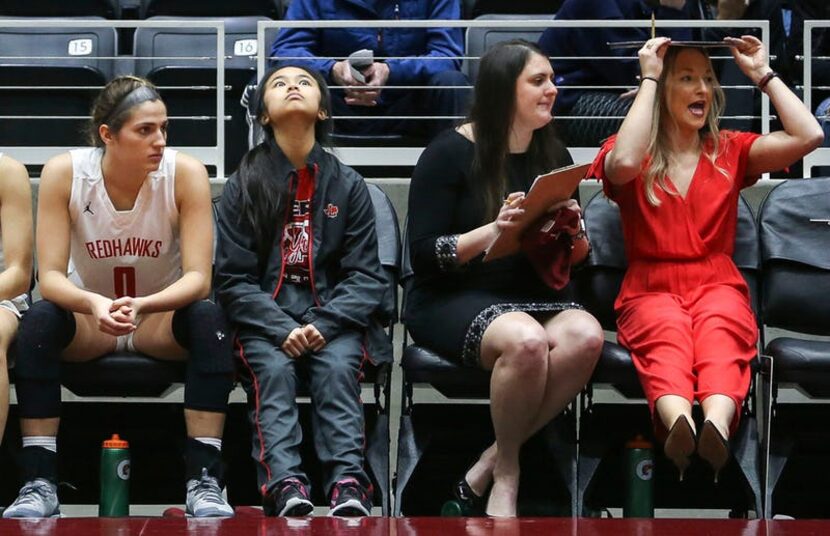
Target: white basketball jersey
[{"x": 123, "y": 252}]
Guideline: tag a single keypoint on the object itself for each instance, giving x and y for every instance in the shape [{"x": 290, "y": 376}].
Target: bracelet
[
  {"x": 579, "y": 236},
  {"x": 642, "y": 78},
  {"x": 762, "y": 83}
]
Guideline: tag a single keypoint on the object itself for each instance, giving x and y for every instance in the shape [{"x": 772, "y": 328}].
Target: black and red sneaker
[
  {"x": 289, "y": 498},
  {"x": 350, "y": 499}
]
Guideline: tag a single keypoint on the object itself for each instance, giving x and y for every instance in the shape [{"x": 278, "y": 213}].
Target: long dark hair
[
  {"x": 491, "y": 115},
  {"x": 263, "y": 194}
]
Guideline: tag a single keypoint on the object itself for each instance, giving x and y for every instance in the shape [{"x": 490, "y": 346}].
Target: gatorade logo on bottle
[
  {"x": 644, "y": 469},
  {"x": 123, "y": 470}
]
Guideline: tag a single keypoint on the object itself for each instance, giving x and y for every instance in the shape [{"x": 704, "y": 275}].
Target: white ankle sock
[
  {"x": 47, "y": 442},
  {"x": 215, "y": 442}
]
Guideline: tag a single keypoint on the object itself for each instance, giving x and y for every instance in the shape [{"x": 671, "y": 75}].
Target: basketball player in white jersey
[
  {"x": 15, "y": 263},
  {"x": 125, "y": 264}
]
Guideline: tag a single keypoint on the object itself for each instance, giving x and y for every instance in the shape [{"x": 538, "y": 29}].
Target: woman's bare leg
[
  {"x": 575, "y": 341},
  {"x": 720, "y": 409},
  {"x": 515, "y": 347}
]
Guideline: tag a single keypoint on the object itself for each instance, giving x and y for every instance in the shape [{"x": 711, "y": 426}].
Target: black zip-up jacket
[{"x": 347, "y": 282}]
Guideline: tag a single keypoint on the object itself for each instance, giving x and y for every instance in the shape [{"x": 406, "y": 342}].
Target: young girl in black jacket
[{"x": 297, "y": 271}]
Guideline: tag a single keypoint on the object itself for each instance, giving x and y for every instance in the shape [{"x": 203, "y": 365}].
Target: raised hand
[
  {"x": 651, "y": 57},
  {"x": 750, "y": 55}
]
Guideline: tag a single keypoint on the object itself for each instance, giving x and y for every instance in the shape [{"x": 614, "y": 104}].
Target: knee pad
[
  {"x": 45, "y": 330},
  {"x": 207, "y": 392},
  {"x": 201, "y": 328}
]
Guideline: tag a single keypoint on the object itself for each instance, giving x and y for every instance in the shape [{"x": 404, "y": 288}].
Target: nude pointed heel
[
  {"x": 680, "y": 444},
  {"x": 713, "y": 447}
]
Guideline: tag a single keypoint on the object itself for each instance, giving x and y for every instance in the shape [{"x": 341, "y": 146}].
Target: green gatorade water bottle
[
  {"x": 115, "y": 478},
  {"x": 453, "y": 509},
  {"x": 639, "y": 489}
]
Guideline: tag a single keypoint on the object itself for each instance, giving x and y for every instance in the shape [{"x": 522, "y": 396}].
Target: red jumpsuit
[{"x": 683, "y": 310}]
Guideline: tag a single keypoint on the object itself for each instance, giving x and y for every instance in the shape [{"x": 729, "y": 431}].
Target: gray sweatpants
[{"x": 337, "y": 412}]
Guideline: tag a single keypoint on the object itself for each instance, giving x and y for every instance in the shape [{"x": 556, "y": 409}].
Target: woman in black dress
[{"x": 499, "y": 315}]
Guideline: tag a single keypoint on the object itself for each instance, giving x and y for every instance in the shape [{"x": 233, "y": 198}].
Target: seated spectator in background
[
  {"x": 684, "y": 310},
  {"x": 786, "y": 18},
  {"x": 417, "y": 57},
  {"x": 500, "y": 316},
  {"x": 15, "y": 263},
  {"x": 593, "y": 42},
  {"x": 823, "y": 115},
  {"x": 132, "y": 221},
  {"x": 786, "y": 44},
  {"x": 297, "y": 270},
  {"x": 514, "y": 7}
]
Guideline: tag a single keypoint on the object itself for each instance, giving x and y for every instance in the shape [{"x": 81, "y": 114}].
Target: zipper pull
[{"x": 397, "y": 11}]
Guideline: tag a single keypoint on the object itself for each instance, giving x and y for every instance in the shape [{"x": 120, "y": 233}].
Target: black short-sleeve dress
[{"x": 450, "y": 306}]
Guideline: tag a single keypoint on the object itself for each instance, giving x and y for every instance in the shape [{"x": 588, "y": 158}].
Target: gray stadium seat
[
  {"x": 795, "y": 255},
  {"x": 479, "y": 40},
  {"x": 51, "y": 72},
  {"x": 179, "y": 58},
  {"x": 606, "y": 426}
]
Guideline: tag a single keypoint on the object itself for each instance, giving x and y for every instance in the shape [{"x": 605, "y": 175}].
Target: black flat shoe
[
  {"x": 467, "y": 498},
  {"x": 713, "y": 447},
  {"x": 680, "y": 444}
]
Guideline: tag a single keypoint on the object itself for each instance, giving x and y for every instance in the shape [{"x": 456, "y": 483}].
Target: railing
[
  {"x": 408, "y": 156},
  {"x": 214, "y": 155},
  {"x": 210, "y": 155},
  {"x": 821, "y": 156}
]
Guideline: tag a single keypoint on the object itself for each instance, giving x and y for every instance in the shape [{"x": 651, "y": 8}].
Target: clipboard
[
  {"x": 546, "y": 190},
  {"x": 698, "y": 44}
]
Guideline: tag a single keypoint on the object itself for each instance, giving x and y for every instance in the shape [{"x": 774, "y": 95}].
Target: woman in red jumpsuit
[{"x": 683, "y": 310}]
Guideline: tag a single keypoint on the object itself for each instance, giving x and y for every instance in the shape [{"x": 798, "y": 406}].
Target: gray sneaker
[
  {"x": 204, "y": 498},
  {"x": 38, "y": 498}
]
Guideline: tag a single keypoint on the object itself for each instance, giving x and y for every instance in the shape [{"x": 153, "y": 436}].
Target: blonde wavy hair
[{"x": 658, "y": 144}]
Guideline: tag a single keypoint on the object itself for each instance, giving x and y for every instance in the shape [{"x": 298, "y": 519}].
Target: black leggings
[{"x": 46, "y": 330}]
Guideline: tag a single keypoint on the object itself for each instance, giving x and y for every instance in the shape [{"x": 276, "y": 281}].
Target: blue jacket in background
[
  {"x": 593, "y": 42},
  {"x": 416, "y": 46}
]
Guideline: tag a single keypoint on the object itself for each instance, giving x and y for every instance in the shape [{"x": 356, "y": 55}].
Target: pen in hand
[
  {"x": 511, "y": 207},
  {"x": 513, "y": 197}
]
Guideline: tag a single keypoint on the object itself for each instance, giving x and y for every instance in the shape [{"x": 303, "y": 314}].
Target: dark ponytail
[{"x": 263, "y": 197}]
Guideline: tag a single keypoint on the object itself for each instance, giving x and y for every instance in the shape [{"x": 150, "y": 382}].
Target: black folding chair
[
  {"x": 795, "y": 253},
  {"x": 464, "y": 393},
  {"x": 599, "y": 285}
]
